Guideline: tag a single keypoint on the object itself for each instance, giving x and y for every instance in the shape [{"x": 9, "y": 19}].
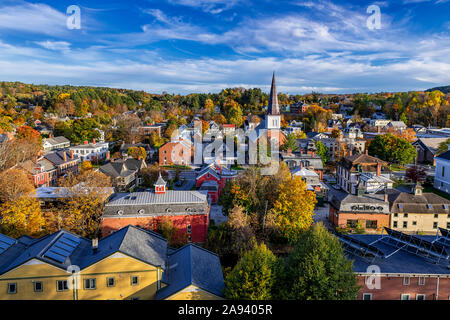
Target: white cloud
[
  {"x": 210, "y": 6},
  {"x": 34, "y": 18},
  {"x": 54, "y": 45}
]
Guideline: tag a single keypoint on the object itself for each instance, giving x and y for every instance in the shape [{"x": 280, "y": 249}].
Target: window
[
  {"x": 38, "y": 286},
  {"x": 395, "y": 215},
  {"x": 189, "y": 239},
  {"x": 405, "y": 224},
  {"x": 420, "y": 297},
  {"x": 89, "y": 284},
  {"x": 395, "y": 224},
  {"x": 371, "y": 224},
  {"x": 421, "y": 281},
  {"x": 436, "y": 216},
  {"x": 448, "y": 225},
  {"x": 12, "y": 288},
  {"x": 134, "y": 280},
  {"x": 62, "y": 285},
  {"x": 110, "y": 282},
  {"x": 414, "y": 223},
  {"x": 405, "y": 296},
  {"x": 352, "y": 223},
  {"x": 406, "y": 281},
  {"x": 405, "y": 215},
  {"x": 435, "y": 225},
  {"x": 367, "y": 296},
  {"x": 189, "y": 229},
  {"x": 443, "y": 171}
]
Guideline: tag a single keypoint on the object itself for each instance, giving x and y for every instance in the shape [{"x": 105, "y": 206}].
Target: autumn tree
[
  {"x": 137, "y": 152},
  {"x": 416, "y": 174},
  {"x": 150, "y": 175},
  {"x": 86, "y": 166},
  {"x": 22, "y": 216},
  {"x": 219, "y": 119},
  {"x": 233, "y": 113},
  {"x": 254, "y": 276},
  {"x": 14, "y": 184},
  {"x": 294, "y": 208},
  {"x": 317, "y": 269},
  {"x": 240, "y": 230}
]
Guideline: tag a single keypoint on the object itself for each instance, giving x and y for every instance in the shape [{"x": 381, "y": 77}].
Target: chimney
[
  {"x": 64, "y": 156},
  {"x": 94, "y": 245},
  {"x": 350, "y": 152},
  {"x": 367, "y": 152},
  {"x": 85, "y": 142},
  {"x": 50, "y": 136},
  {"x": 71, "y": 154},
  {"x": 301, "y": 165},
  {"x": 108, "y": 155},
  {"x": 139, "y": 157},
  {"x": 289, "y": 151},
  {"x": 313, "y": 154},
  {"x": 378, "y": 169},
  {"x": 132, "y": 142},
  {"x": 385, "y": 196},
  {"x": 93, "y": 141}
]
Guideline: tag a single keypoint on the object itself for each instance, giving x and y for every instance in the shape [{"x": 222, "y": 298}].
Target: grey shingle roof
[
  {"x": 122, "y": 168},
  {"x": 57, "y": 158},
  {"x": 193, "y": 265},
  {"x": 445, "y": 156}
]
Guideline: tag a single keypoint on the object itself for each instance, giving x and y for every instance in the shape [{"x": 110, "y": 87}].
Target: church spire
[{"x": 273, "y": 107}]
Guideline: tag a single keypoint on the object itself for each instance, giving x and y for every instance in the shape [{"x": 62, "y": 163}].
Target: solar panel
[
  {"x": 5, "y": 243},
  {"x": 362, "y": 249},
  {"x": 417, "y": 245},
  {"x": 55, "y": 256},
  {"x": 62, "y": 248},
  {"x": 445, "y": 233}
]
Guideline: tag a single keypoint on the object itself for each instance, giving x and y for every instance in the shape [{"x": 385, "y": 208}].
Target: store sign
[{"x": 365, "y": 207}]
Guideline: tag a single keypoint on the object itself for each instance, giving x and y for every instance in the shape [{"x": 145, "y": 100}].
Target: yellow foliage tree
[
  {"x": 294, "y": 208},
  {"x": 21, "y": 217}
]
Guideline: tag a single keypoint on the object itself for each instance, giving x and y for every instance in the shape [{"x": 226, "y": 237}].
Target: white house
[
  {"x": 442, "y": 173},
  {"x": 91, "y": 151}
]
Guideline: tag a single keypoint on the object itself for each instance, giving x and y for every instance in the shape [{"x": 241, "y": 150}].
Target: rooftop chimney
[
  {"x": 93, "y": 141},
  {"x": 367, "y": 152},
  {"x": 108, "y": 155},
  {"x": 85, "y": 142},
  {"x": 386, "y": 199},
  {"x": 71, "y": 154},
  {"x": 378, "y": 169},
  {"x": 50, "y": 136},
  {"x": 95, "y": 245},
  {"x": 350, "y": 152},
  {"x": 64, "y": 156}
]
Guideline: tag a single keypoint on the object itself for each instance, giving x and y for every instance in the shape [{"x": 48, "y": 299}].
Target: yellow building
[
  {"x": 419, "y": 212},
  {"x": 131, "y": 263}
]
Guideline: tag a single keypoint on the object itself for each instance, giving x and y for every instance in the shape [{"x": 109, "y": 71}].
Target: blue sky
[{"x": 184, "y": 46}]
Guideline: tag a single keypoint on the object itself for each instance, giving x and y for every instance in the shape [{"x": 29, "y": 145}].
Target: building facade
[{"x": 442, "y": 172}]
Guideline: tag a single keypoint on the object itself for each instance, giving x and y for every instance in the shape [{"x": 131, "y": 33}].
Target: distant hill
[{"x": 445, "y": 89}]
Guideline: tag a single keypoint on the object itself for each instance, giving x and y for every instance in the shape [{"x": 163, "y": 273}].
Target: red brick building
[
  {"x": 187, "y": 211},
  {"x": 175, "y": 152},
  {"x": 397, "y": 266},
  {"x": 213, "y": 178},
  {"x": 367, "y": 211}
]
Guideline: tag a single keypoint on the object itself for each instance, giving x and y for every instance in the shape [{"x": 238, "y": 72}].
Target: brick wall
[
  {"x": 199, "y": 225},
  {"x": 392, "y": 288}
]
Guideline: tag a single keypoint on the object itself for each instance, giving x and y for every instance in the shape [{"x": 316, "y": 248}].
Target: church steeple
[
  {"x": 273, "y": 116},
  {"x": 273, "y": 107}
]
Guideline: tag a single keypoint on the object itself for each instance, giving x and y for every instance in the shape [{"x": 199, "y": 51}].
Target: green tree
[
  {"x": 391, "y": 148},
  {"x": 322, "y": 151},
  {"x": 317, "y": 269},
  {"x": 254, "y": 276},
  {"x": 289, "y": 143}
]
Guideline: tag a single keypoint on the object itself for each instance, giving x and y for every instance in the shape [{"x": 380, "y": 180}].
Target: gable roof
[
  {"x": 431, "y": 144},
  {"x": 56, "y": 140},
  {"x": 444, "y": 156},
  {"x": 412, "y": 203},
  {"x": 122, "y": 168},
  {"x": 57, "y": 158},
  {"x": 138, "y": 243},
  {"x": 192, "y": 265}
]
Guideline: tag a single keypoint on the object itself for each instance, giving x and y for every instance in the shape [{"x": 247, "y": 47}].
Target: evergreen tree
[{"x": 317, "y": 269}]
